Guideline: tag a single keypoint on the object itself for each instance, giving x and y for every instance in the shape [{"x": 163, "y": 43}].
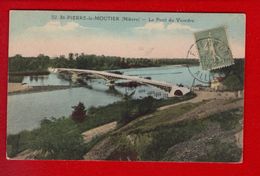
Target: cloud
[
  {"x": 178, "y": 26},
  {"x": 152, "y": 26},
  {"x": 56, "y": 26}
]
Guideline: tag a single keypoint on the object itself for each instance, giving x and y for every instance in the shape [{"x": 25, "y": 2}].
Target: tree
[
  {"x": 147, "y": 105},
  {"x": 58, "y": 139},
  {"x": 126, "y": 109},
  {"x": 133, "y": 109},
  {"x": 234, "y": 75},
  {"x": 79, "y": 113},
  {"x": 71, "y": 56},
  {"x": 233, "y": 83}
]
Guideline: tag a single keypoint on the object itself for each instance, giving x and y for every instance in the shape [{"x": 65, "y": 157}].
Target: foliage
[
  {"x": 167, "y": 136},
  {"x": 228, "y": 120},
  {"x": 18, "y": 63},
  {"x": 55, "y": 139},
  {"x": 42, "y": 136},
  {"x": 136, "y": 108},
  {"x": 232, "y": 83},
  {"x": 117, "y": 111},
  {"x": 234, "y": 75},
  {"x": 15, "y": 79},
  {"x": 62, "y": 62},
  {"x": 222, "y": 152},
  {"x": 79, "y": 113},
  {"x": 58, "y": 139},
  {"x": 18, "y": 142},
  {"x": 132, "y": 109},
  {"x": 147, "y": 105},
  {"x": 125, "y": 150},
  {"x": 238, "y": 69},
  {"x": 101, "y": 115}
]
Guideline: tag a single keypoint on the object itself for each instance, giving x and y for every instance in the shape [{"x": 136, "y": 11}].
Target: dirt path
[
  {"x": 27, "y": 154},
  {"x": 92, "y": 133},
  {"x": 239, "y": 139},
  {"x": 204, "y": 95}
]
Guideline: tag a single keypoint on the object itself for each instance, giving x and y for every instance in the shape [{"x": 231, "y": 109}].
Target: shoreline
[
  {"x": 29, "y": 73},
  {"x": 19, "y": 88}
]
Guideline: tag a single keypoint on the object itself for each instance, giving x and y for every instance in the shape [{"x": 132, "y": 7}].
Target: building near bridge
[{"x": 216, "y": 84}]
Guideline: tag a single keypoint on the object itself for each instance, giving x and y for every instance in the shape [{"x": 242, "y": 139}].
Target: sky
[{"x": 146, "y": 35}]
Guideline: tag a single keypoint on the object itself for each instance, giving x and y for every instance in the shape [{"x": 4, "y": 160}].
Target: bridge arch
[{"x": 178, "y": 93}]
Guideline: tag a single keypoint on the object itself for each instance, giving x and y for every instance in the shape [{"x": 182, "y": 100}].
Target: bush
[
  {"x": 55, "y": 139},
  {"x": 79, "y": 113},
  {"x": 58, "y": 139},
  {"x": 228, "y": 120},
  {"x": 136, "y": 108},
  {"x": 233, "y": 83},
  {"x": 146, "y": 106},
  {"x": 125, "y": 150},
  {"x": 18, "y": 142},
  {"x": 13, "y": 146}
]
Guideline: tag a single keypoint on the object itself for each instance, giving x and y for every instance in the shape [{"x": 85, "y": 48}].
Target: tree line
[{"x": 18, "y": 63}]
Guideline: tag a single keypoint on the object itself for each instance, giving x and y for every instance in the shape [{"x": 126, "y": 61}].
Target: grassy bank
[{"x": 157, "y": 139}]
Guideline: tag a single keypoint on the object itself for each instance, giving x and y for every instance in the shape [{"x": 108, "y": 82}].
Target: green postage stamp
[{"x": 213, "y": 49}]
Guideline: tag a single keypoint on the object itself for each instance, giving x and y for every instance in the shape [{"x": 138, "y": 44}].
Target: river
[{"x": 25, "y": 111}]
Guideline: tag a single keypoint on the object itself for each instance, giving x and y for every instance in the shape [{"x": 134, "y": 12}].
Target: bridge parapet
[{"x": 172, "y": 89}]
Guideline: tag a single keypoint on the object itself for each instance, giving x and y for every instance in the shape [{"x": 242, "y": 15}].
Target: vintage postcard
[{"x": 126, "y": 86}]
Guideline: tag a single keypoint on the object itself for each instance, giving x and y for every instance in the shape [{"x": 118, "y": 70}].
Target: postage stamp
[{"x": 213, "y": 48}]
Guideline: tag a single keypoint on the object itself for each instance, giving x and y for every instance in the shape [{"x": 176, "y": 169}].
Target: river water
[{"x": 25, "y": 111}]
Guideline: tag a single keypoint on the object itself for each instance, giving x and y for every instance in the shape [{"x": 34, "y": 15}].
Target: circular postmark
[{"x": 213, "y": 57}]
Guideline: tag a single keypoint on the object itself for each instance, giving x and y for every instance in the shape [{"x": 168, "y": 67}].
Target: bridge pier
[
  {"x": 111, "y": 84},
  {"x": 174, "y": 90}
]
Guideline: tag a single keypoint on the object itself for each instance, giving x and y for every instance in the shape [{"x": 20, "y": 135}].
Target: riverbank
[
  {"x": 96, "y": 117},
  {"x": 28, "y": 73},
  {"x": 19, "y": 88}
]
